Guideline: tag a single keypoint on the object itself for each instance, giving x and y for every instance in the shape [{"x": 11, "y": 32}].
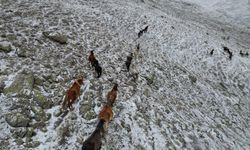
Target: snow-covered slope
[
  {"x": 184, "y": 96},
  {"x": 237, "y": 11}
]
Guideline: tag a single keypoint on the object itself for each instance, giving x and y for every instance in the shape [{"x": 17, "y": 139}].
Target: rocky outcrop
[
  {"x": 22, "y": 86},
  {"x": 5, "y": 46},
  {"x": 41, "y": 100},
  {"x": 16, "y": 119},
  {"x": 57, "y": 37}
]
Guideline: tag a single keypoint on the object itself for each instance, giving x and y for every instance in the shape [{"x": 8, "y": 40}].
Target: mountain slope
[{"x": 184, "y": 97}]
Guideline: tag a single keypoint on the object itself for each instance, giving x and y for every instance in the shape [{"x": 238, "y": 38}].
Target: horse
[
  {"x": 92, "y": 58},
  {"x": 106, "y": 115},
  {"x": 94, "y": 142},
  {"x": 128, "y": 61},
  {"x": 72, "y": 94},
  {"x": 140, "y": 33},
  {"x": 228, "y": 51},
  {"x": 94, "y": 62},
  {"x": 111, "y": 97},
  {"x": 98, "y": 68}
]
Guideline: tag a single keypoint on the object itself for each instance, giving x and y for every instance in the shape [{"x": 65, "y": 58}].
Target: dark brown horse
[
  {"x": 128, "y": 61},
  {"x": 92, "y": 58},
  {"x": 111, "y": 97},
  {"x": 72, "y": 94},
  {"x": 94, "y": 62},
  {"x": 98, "y": 68}
]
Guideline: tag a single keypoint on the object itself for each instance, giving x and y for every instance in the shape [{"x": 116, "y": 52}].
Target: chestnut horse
[
  {"x": 106, "y": 114},
  {"x": 111, "y": 97},
  {"x": 72, "y": 94}
]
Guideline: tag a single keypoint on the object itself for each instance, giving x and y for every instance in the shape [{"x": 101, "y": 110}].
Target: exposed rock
[
  {"x": 63, "y": 133},
  {"x": 58, "y": 122},
  {"x": 38, "y": 80},
  {"x": 2, "y": 85},
  {"x": 19, "y": 132},
  {"x": 32, "y": 144},
  {"x": 17, "y": 119},
  {"x": 40, "y": 115},
  {"x": 4, "y": 144},
  {"x": 57, "y": 113},
  {"x": 57, "y": 37},
  {"x": 30, "y": 132},
  {"x": 150, "y": 79},
  {"x": 22, "y": 86},
  {"x": 192, "y": 78},
  {"x": 38, "y": 125},
  {"x": 44, "y": 129},
  {"x": 19, "y": 141},
  {"x": 90, "y": 115},
  {"x": 48, "y": 116},
  {"x": 73, "y": 116},
  {"x": 25, "y": 51},
  {"x": 5, "y": 46},
  {"x": 42, "y": 101},
  {"x": 86, "y": 110}
]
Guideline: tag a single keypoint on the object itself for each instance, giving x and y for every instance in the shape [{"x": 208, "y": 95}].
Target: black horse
[
  {"x": 94, "y": 142},
  {"x": 98, "y": 68}
]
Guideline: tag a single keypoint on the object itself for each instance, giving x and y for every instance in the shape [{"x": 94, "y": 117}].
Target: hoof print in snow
[{"x": 57, "y": 37}]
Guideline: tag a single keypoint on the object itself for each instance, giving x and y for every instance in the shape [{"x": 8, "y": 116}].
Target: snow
[
  {"x": 171, "y": 112},
  {"x": 239, "y": 11}
]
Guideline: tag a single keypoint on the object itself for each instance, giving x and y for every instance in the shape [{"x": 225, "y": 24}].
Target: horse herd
[
  {"x": 106, "y": 113},
  {"x": 93, "y": 142}
]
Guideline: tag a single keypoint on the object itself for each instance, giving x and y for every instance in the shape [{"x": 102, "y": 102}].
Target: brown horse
[
  {"x": 111, "y": 97},
  {"x": 92, "y": 58},
  {"x": 72, "y": 94},
  {"x": 106, "y": 114}
]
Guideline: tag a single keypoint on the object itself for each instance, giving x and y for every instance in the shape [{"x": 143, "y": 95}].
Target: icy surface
[{"x": 184, "y": 98}]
